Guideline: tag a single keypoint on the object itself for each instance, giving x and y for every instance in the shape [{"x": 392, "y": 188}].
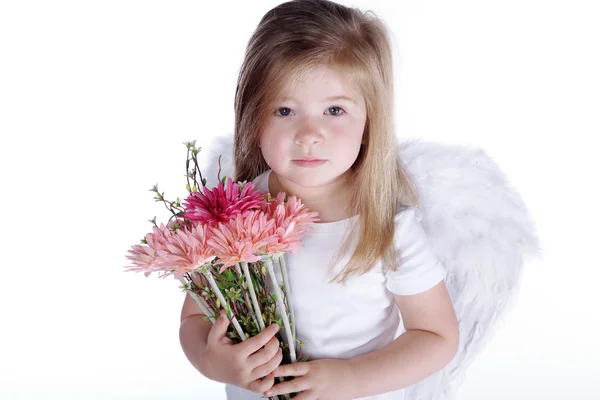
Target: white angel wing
[
  {"x": 482, "y": 232},
  {"x": 479, "y": 228}
]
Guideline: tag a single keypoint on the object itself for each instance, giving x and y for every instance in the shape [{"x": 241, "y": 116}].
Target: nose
[{"x": 308, "y": 134}]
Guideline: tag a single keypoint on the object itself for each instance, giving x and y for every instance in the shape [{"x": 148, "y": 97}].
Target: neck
[{"x": 330, "y": 201}]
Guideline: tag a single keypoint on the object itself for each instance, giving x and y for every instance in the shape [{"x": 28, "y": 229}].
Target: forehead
[{"x": 323, "y": 82}]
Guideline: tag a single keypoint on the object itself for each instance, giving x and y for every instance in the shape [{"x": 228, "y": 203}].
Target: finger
[
  {"x": 255, "y": 343},
  {"x": 295, "y": 385},
  {"x": 269, "y": 367},
  {"x": 264, "y": 355},
  {"x": 261, "y": 385},
  {"x": 219, "y": 328},
  {"x": 294, "y": 369}
]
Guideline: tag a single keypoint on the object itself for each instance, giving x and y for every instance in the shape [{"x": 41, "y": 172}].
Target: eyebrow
[{"x": 332, "y": 98}]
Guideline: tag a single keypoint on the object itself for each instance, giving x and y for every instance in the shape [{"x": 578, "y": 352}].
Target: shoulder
[
  {"x": 261, "y": 182},
  {"x": 419, "y": 267},
  {"x": 407, "y": 218},
  {"x": 408, "y": 231}
]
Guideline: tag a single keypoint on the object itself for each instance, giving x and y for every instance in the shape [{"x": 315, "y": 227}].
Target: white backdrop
[{"x": 96, "y": 99}]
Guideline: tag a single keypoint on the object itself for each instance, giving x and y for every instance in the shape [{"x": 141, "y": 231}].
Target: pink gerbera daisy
[
  {"x": 291, "y": 221},
  {"x": 145, "y": 257},
  {"x": 241, "y": 239},
  {"x": 223, "y": 202},
  {"x": 185, "y": 251}
]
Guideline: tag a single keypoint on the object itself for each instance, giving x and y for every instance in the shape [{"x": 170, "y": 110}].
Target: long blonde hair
[{"x": 291, "y": 40}]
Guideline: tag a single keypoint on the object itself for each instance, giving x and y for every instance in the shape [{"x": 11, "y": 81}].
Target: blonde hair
[{"x": 291, "y": 40}]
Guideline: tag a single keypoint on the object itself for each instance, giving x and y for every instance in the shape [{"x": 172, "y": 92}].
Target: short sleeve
[{"x": 419, "y": 269}]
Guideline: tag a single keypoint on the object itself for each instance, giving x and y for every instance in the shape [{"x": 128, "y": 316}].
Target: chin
[{"x": 314, "y": 178}]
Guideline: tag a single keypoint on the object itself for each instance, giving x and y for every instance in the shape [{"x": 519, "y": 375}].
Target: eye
[
  {"x": 335, "y": 111},
  {"x": 285, "y": 112}
]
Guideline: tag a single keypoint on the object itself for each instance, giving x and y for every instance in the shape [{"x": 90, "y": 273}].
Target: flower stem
[
  {"x": 257, "y": 312},
  {"x": 224, "y": 303},
  {"x": 198, "y": 301},
  {"x": 259, "y": 317},
  {"x": 288, "y": 298},
  {"x": 250, "y": 287},
  {"x": 281, "y": 306}
]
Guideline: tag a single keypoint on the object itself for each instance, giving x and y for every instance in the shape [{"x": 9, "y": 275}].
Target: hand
[
  {"x": 325, "y": 379},
  {"x": 245, "y": 363}
]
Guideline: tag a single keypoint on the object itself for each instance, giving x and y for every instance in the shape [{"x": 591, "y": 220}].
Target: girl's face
[{"x": 321, "y": 118}]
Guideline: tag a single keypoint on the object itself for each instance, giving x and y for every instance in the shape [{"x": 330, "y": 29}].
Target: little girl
[{"x": 314, "y": 118}]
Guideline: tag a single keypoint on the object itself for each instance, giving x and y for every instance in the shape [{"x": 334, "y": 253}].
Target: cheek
[
  {"x": 270, "y": 147},
  {"x": 350, "y": 140}
]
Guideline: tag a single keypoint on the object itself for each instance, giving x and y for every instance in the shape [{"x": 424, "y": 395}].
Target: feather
[{"x": 481, "y": 231}]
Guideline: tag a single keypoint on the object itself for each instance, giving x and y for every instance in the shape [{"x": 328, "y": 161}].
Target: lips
[{"x": 314, "y": 162}]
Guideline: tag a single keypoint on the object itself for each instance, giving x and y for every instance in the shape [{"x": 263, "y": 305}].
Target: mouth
[{"x": 308, "y": 162}]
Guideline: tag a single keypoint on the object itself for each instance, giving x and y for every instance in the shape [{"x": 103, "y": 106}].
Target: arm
[
  {"x": 429, "y": 343},
  {"x": 193, "y": 332}
]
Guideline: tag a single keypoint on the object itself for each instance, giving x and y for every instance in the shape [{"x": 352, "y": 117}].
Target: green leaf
[
  {"x": 229, "y": 275},
  {"x": 218, "y": 303}
]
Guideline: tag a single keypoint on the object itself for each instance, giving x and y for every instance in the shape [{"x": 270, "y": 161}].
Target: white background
[{"x": 97, "y": 97}]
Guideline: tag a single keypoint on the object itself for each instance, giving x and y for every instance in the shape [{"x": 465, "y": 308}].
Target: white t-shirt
[{"x": 346, "y": 321}]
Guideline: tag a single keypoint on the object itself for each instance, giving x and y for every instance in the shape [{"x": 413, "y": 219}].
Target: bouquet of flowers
[{"x": 224, "y": 245}]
